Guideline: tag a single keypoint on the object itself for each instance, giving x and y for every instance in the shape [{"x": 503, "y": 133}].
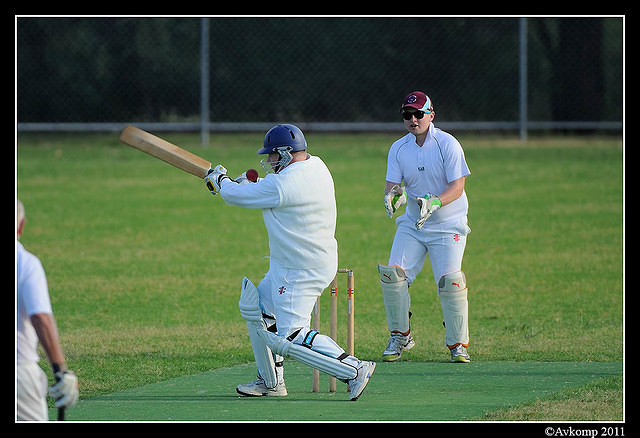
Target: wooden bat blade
[{"x": 167, "y": 152}]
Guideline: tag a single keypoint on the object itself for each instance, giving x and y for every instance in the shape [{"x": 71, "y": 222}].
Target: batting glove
[
  {"x": 65, "y": 390},
  {"x": 428, "y": 205},
  {"x": 394, "y": 199},
  {"x": 215, "y": 177}
]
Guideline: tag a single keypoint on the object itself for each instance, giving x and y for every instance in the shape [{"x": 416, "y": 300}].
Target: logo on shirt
[
  {"x": 282, "y": 290},
  {"x": 420, "y": 169}
]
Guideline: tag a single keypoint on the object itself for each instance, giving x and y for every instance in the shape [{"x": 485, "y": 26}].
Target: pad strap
[{"x": 308, "y": 340}]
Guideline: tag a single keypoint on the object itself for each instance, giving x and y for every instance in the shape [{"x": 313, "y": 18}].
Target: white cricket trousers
[
  {"x": 31, "y": 388},
  {"x": 444, "y": 243},
  {"x": 290, "y": 294}
]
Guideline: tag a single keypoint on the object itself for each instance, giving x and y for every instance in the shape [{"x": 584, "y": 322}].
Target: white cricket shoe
[
  {"x": 359, "y": 383},
  {"x": 257, "y": 388},
  {"x": 397, "y": 344},
  {"x": 459, "y": 354}
]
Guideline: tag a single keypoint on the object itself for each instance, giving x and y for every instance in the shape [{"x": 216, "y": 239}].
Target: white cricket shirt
[
  {"x": 299, "y": 211},
  {"x": 32, "y": 297},
  {"x": 429, "y": 169}
]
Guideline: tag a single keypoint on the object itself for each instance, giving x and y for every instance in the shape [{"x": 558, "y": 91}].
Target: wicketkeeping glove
[
  {"x": 65, "y": 390},
  {"x": 428, "y": 205},
  {"x": 394, "y": 199},
  {"x": 215, "y": 177}
]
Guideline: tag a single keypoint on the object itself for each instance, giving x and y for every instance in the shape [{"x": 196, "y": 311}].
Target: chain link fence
[{"x": 333, "y": 73}]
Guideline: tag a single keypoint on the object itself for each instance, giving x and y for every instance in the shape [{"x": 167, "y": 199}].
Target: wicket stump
[{"x": 333, "y": 330}]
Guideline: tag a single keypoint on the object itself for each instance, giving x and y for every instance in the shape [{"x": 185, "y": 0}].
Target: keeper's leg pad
[
  {"x": 250, "y": 310},
  {"x": 334, "y": 366},
  {"x": 452, "y": 289},
  {"x": 395, "y": 293}
]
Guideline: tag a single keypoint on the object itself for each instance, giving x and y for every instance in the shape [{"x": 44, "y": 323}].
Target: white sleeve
[
  {"x": 456, "y": 165},
  {"x": 262, "y": 194},
  {"x": 394, "y": 172},
  {"x": 33, "y": 287}
]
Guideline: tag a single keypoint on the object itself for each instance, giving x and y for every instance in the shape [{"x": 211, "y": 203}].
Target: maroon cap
[{"x": 419, "y": 101}]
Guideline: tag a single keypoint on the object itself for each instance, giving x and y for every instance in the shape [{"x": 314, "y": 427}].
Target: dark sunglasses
[{"x": 408, "y": 114}]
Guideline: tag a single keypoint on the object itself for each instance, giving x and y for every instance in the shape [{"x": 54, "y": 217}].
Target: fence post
[
  {"x": 204, "y": 81},
  {"x": 523, "y": 79}
]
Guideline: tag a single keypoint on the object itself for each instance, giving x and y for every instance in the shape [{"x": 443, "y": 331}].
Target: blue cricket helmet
[{"x": 283, "y": 136}]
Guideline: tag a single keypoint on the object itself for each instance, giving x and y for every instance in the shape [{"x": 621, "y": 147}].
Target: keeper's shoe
[
  {"x": 397, "y": 344},
  {"x": 359, "y": 383},
  {"x": 257, "y": 388},
  {"x": 459, "y": 354}
]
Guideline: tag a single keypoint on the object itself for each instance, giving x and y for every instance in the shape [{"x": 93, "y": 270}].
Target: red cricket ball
[{"x": 252, "y": 175}]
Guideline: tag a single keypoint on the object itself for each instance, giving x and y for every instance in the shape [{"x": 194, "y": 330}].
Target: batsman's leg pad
[
  {"x": 250, "y": 310},
  {"x": 452, "y": 289},
  {"x": 320, "y": 343},
  {"x": 334, "y": 366},
  {"x": 395, "y": 293}
]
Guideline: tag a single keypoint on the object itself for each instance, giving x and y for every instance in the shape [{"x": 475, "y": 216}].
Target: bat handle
[{"x": 60, "y": 414}]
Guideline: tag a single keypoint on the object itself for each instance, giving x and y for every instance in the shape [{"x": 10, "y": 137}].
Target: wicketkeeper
[
  {"x": 432, "y": 165},
  {"x": 297, "y": 199}
]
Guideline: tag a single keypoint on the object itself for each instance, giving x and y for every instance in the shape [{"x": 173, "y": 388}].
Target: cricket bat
[{"x": 167, "y": 152}]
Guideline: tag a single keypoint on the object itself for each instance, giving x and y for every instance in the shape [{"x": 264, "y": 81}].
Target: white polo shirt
[{"x": 429, "y": 169}]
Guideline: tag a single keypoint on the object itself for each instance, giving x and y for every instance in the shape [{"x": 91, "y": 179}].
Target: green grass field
[{"x": 144, "y": 264}]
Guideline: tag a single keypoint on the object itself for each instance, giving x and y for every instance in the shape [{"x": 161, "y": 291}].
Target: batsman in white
[
  {"x": 297, "y": 199},
  {"x": 432, "y": 165},
  {"x": 35, "y": 323}
]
